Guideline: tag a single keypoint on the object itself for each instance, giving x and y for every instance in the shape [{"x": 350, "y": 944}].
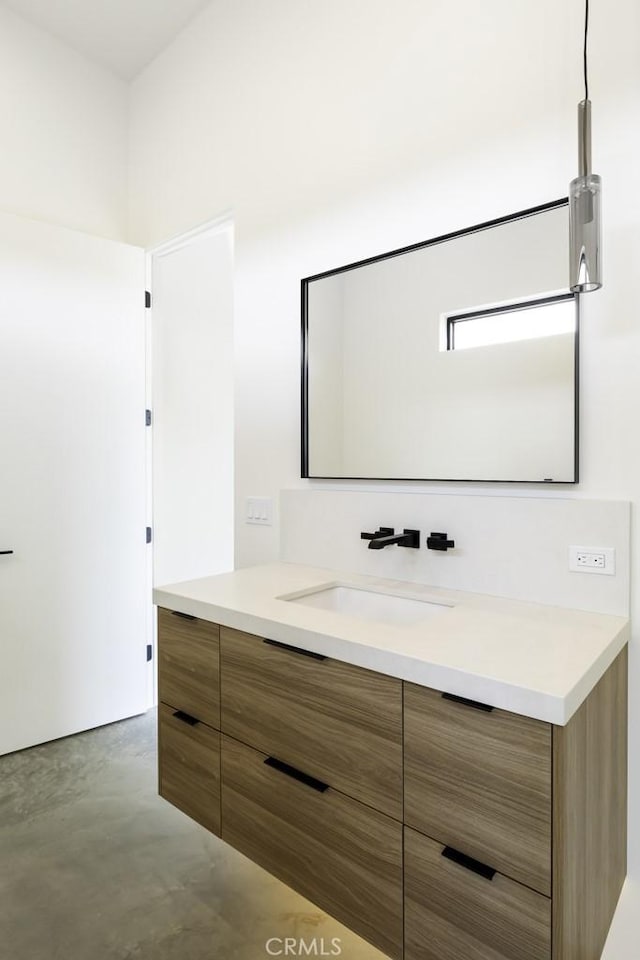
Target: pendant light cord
[{"x": 586, "y": 33}]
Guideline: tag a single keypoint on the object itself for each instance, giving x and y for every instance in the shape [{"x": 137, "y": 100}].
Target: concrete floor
[{"x": 94, "y": 865}]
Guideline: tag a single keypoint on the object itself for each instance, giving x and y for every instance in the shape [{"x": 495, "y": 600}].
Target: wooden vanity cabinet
[
  {"x": 189, "y": 769},
  {"x": 435, "y": 827},
  {"x": 189, "y": 666},
  {"x": 455, "y": 913},
  {"x": 305, "y": 777},
  {"x": 589, "y": 860},
  {"x": 515, "y": 845},
  {"x": 336, "y": 722},
  {"x": 312, "y": 778},
  {"x": 343, "y": 855},
  {"x": 189, "y": 716},
  {"x": 480, "y": 779}
]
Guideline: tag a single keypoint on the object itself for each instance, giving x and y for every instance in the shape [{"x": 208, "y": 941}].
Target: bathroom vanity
[{"x": 450, "y": 788}]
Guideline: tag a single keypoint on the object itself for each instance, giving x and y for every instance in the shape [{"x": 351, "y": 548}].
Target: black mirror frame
[{"x": 304, "y": 354}]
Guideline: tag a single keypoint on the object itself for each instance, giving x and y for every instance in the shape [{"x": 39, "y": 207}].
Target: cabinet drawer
[
  {"x": 453, "y": 913},
  {"x": 189, "y": 767},
  {"x": 341, "y": 724},
  {"x": 342, "y": 855},
  {"x": 480, "y": 781},
  {"x": 189, "y": 666}
]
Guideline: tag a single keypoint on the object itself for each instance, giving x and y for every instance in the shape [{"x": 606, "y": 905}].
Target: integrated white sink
[{"x": 369, "y": 604}]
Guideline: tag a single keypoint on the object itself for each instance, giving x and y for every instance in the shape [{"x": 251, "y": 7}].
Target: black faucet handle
[
  {"x": 380, "y": 532},
  {"x": 438, "y": 541}
]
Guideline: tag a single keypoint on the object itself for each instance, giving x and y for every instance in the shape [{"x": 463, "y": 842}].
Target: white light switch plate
[
  {"x": 259, "y": 510},
  {"x": 600, "y": 560}
]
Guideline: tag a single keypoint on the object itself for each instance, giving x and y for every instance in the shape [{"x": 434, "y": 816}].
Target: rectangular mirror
[{"x": 453, "y": 359}]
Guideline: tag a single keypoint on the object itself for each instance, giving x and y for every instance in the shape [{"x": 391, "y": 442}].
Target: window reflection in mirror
[{"x": 530, "y": 320}]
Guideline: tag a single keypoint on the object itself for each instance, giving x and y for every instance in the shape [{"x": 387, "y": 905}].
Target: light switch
[{"x": 260, "y": 510}]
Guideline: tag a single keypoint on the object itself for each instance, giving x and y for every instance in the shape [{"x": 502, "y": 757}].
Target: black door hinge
[
  {"x": 147, "y": 418},
  {"x": 149, "y": 652},
  {"x": 147, "y": 299},
  {"x": 148, "y": 534}
]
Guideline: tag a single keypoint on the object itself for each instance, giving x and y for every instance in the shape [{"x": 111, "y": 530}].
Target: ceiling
[{"x": 122, "y": 35}]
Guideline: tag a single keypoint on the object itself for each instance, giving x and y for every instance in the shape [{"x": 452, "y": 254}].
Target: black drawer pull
[
  {"x": 186, "y": 718},
  {"x": 183, "y": 616},
  {"x": 291, "y": 649},
  {"x": 467, "y": 703},
  {"x": 297, "y": 774},
  {"x": 5, "y": 553},
  {"x": 469, "y": 863}
]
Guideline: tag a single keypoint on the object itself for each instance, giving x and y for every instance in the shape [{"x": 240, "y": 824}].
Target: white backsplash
[{"x": 506, "y": 546}]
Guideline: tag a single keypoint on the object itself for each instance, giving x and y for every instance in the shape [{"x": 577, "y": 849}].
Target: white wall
[
  {"x": 64, "y": 133},
  {"x": 521, "y": 542},
  {"x": 339, "y": 130}
]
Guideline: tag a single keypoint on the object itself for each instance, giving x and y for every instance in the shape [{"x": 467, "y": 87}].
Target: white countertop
[{"x": 539, "y": 661}]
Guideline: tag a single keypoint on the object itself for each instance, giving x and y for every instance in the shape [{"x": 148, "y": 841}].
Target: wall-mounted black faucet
[{"x": 386, "y": 536}]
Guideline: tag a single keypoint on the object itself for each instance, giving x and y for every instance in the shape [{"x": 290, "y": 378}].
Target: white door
[
  {"x": 192, "y": 389},
  {"x": 73, "y": 594}
]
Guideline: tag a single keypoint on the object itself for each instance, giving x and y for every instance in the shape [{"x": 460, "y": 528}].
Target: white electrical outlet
[
  {"x": 593, "y": 560},
  {"x": 260, "y": 510}
]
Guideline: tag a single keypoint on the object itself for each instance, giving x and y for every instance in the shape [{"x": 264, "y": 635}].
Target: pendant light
[{"x": 585, "y": 226}]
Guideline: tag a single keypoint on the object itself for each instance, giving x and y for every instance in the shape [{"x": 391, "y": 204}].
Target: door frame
[{"x": 224, "y": 223}]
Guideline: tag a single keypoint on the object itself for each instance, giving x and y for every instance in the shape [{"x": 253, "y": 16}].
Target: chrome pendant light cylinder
[{"x": 585, "y": 221}]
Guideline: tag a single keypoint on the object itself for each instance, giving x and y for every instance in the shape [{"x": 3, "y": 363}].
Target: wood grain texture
[
  {"x": 189, "y": 768},
  {"x": 189, "y": 666},
  {"x": 590, "y": 817},
  {"x": 345, "y": 857},
  {"x": 480, "y": 782},
  {"x": 454, "y": 914},
  {"x": 337, "y": 722}
]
